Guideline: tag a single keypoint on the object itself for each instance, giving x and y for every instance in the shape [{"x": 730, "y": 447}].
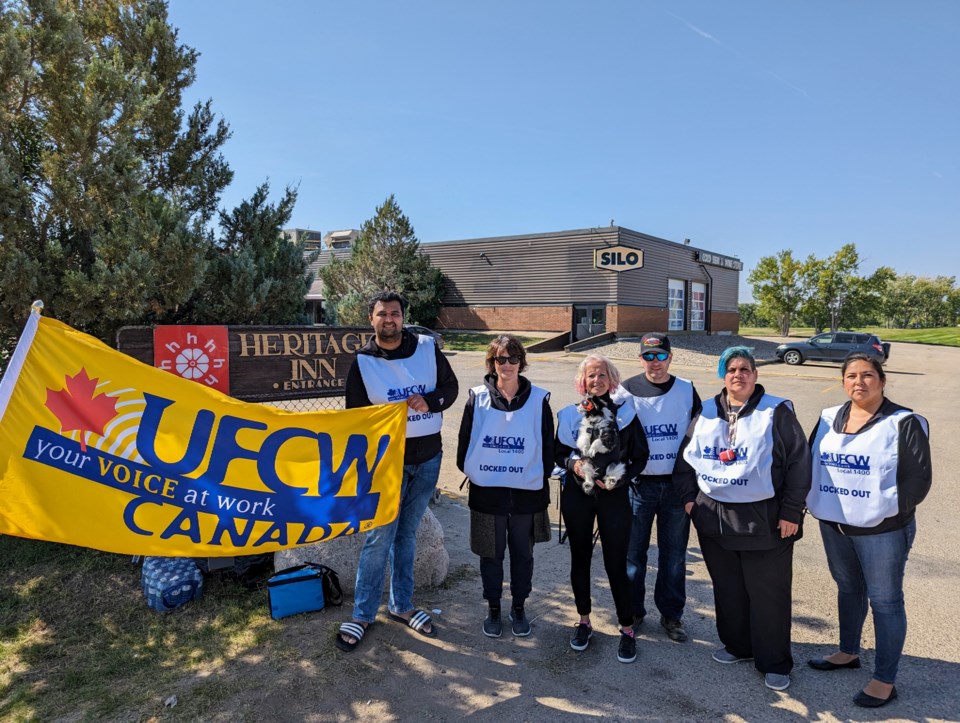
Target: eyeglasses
[
  {"x": 658, "y": 355},
  {"x": 501, "y": 360}
]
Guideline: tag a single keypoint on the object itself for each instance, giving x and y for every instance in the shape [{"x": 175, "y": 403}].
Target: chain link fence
[{"x": 315, "y": 404}]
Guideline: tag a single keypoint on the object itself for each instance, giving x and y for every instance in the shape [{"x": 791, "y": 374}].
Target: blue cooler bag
[
  {"x": 169, "y": 582},
  {"x": 296, "y": 590}
]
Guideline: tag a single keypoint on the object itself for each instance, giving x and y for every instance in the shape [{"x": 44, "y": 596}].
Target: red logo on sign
[{"x": 198, "y": 353}]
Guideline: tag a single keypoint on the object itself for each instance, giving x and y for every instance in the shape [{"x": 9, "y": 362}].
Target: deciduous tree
[
  {"x": 923, "y": 301},
  {"x": 777, "y": 287},
  {"x": 837, "y": 295}
]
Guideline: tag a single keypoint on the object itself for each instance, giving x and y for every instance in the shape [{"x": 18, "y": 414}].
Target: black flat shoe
[
  {"x": 824, "y": 664},
  {"x": 869, "y": 701}
]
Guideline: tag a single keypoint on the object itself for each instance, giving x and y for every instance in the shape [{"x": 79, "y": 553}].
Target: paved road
[{"x": 673, "y": 681}]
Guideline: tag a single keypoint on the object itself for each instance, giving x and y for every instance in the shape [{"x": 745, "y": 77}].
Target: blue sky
[{"x": 745, "y": 126}]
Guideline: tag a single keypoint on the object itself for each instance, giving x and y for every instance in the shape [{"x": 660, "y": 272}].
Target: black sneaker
[
  {"x": 492, "y": 627},
  {"x": 627, "y": 652},
  {"x": 674, "y": 629},
  {"x": 581, "y": 636},
  {"x": 521, "y": 626}
]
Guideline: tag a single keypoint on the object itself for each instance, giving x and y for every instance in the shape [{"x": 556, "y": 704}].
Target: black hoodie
[
  {"x": 504, "y": 500},
  {"x": 418, "y": 449},
  {"x": 753, "y": 525}
]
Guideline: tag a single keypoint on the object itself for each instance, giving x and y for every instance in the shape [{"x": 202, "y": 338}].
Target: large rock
[{"x": 343, "y": 553}]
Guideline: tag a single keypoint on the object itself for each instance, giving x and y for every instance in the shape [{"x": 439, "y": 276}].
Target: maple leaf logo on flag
[{"x": 79, "y": 409}]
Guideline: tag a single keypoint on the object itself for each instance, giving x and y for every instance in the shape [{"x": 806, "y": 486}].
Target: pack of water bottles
[{"x": 169, "y": 582}]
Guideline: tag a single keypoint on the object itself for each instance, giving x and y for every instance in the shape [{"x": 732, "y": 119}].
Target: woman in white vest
[
  {"x": 506, "y": 451},
  {"x": 743, "y": 474},
  {"x": 607, "y": 505},
  {"x": 871, "y": 469}
]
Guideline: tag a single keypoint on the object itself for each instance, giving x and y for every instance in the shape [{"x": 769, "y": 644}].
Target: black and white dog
[{"x": 599, "y": 445}]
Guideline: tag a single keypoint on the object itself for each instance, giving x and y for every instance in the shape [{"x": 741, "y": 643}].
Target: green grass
[
  {"x": 800, "y": 332},
  {"x": 943, "y": 336},
  {"x": 476, "y": 341},
  {"x": 77, "y": 639}
]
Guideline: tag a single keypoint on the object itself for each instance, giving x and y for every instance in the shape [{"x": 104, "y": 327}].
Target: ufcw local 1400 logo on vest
[
  {"x": 716, "y": 454},
  {"x": 401, "y": 393},
  {"x": 846, "y": 463},
  {"x": 176, "y": 468},
  {"x": 511, "y": 445},
  {"x": 661, "y": 431}
]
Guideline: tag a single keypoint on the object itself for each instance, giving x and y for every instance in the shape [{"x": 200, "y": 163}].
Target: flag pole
[{"x": 12, "y": 372}]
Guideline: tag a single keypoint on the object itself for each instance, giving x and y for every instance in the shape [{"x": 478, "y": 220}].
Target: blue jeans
[
  {"x": 395, "y": 543},
  {"x": 870, "y": 567},
  {"x": 660, "y": 499}
]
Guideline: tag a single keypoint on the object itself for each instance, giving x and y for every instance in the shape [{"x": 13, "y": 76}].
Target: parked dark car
[
  {"x": 833, "y": 346},
  {"x": 424, "y": 331}
]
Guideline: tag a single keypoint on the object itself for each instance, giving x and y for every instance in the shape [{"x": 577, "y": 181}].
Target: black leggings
[{"x": 611, "y": 510}]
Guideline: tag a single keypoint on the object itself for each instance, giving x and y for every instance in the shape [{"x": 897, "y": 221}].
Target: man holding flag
[{"x": 397, "y": 365}]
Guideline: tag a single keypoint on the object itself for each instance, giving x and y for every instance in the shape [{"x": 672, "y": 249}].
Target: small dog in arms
[{"x": 599, "y": 445}]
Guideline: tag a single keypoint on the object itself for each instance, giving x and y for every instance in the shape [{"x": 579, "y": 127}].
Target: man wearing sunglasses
[
  {"x": 397, "y": 365},
  {"x": 665, "y": 405}
]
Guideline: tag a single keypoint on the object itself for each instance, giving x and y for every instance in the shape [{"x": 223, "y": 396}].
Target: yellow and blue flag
[{"x": 100, "y": 450}]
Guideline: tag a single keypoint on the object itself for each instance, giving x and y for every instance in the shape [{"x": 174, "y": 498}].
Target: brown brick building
[
  {"x": 588, "y": 281},
  {"x": 584, "y": 282}
]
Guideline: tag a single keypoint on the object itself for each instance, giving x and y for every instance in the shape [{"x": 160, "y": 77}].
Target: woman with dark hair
[
  {"x": 607, "y": 503},
  {"x": 743, "y": 474},
  {"x": 506, "y": 450},
  {"x": 872, "y": 469}
]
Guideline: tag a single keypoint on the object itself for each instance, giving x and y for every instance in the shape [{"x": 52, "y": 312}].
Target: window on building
[
  {"x": 698, "y": 306},
  {"x": 675, "y": 304}
]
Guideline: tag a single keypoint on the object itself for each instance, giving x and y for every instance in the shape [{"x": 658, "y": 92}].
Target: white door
[
  {"x": 675, "y": 301},
  {"x": 698, "y": 306}
]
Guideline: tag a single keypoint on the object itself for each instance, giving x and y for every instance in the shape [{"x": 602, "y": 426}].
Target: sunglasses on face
[
  {"x": 658, "y": 355},
  {"x": 501, "y": 360}
]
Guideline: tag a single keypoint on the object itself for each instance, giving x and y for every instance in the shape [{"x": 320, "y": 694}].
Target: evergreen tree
[
  {"x": 106, "y": 184},
  {"x": 254, "y": 275},
  {"x": 385, "y": 256}
]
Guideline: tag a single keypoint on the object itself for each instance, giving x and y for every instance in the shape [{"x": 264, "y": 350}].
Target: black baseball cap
[{"x": 654, "y": 341}]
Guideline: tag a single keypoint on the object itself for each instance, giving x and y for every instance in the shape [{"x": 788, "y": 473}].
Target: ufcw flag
[{"x": 99, "y": 450}]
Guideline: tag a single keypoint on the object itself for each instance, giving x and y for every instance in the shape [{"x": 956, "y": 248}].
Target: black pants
[
  {"x": 611, "y": 510},
  {"x": 517, "y": 532},
  {"x": 753, "y": 598}
]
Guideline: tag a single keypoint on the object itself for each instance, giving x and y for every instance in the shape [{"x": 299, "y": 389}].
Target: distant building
[
  {"x": 584, "y": 282},
  {"x": 328, "y": 244},
  {"x": 340, "y": 239},
  {"x": 311, "y": 239},
  {"x": 332, "y": 244}
]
